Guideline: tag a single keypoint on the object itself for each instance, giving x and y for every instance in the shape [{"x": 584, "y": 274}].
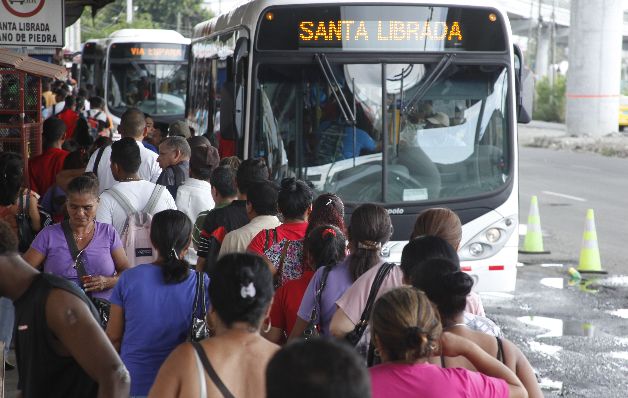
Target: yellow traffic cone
[
  {"x": 533, "y": 242},
  {"x": 590, "y": 253}
]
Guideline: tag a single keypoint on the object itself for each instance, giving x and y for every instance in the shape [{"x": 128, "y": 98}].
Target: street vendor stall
[{"x": 21, "y": 102}]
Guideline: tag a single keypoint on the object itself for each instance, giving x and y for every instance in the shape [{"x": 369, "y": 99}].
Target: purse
[
  {"x": 102, "y": 306},
  {"x": 311, "y": 328},
  {"x": 25, "y": 232},
  {"x": 355, "y": 335},
  {"x": 199, "y": 329}
]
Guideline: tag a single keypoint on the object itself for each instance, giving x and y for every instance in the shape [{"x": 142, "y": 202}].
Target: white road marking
[
  {"x": 523, "y": 229},
  {"x": 577, "y": 166},
  {"x": 562, "y": 195},
  {"x": 551, "y": 265}
]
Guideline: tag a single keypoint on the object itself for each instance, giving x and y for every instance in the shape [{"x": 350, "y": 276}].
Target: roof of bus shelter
[{"x": 31, "y": 65}]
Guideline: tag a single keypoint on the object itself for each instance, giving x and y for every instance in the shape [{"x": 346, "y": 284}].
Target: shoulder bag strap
[
  {"x": 377, "y": 283},
  {"x": 97, "y": 160},
  {"x": 211, "y": 372},
  {"x": 196, "y": 294},
  {"x": 154, "y": 197},
  {"x": 266, "y": 243},
  {"x": 74, "y": 251},
  {"x": 282, "y": 259},
  {"x": 122, "y": 201},
  {"x": 319, "y": 293}
]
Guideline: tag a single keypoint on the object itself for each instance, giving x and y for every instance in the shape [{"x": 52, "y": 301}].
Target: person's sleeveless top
[{"x": 44, "y": 373}]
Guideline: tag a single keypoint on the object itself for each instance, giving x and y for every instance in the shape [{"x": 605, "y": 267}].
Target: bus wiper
[
  {"x": 440, "y": 68},
  {"x": 323, "y": 62}
]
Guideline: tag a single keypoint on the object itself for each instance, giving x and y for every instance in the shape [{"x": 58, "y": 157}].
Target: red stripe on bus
[
  {"x": 465, "y": 269},
  {"x": 495, "y": 267}
]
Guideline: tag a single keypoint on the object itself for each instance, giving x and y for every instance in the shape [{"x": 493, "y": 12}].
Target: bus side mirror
[{"x": 524, "y": 86}]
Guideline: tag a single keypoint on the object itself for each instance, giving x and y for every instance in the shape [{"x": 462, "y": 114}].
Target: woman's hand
[{"x": 98, "y": 283}]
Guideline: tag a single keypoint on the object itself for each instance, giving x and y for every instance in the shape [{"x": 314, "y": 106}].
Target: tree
[
  {"x": 174, "y": 14},
  {"x": 148, "y": 14},
  {"x": 111, "y": 18}
]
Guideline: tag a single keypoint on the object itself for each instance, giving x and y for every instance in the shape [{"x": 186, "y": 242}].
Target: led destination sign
[
  {"x": 149, "y": 51},
  {"x": 404, "y": 28},
  {"x": 381, "y": 31}
]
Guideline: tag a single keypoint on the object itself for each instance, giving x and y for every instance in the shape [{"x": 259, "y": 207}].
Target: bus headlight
[
  {"x": 476, "y": 249},
  {"x": 489, "y": 241},
  {"x": 493, "y": 235}
]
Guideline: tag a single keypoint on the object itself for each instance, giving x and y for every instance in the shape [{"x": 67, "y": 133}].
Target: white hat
[{"x": 439, "y": 118}]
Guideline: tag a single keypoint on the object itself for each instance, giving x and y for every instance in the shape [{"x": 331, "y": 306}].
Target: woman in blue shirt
[{"x": 152, "y": 304}]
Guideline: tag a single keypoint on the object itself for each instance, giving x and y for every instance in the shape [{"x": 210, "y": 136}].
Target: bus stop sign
[{"x": 32, "y": 23}]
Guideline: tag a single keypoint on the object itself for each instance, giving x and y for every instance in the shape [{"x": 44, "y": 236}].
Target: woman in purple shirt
[
  {"x": 99, "y": 244},
  {"x": 152, "y": 305},
  {"x": 370, "y": 227}
]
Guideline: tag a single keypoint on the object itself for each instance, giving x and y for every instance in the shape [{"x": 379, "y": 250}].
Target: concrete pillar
[
  {"x": 543, "y": 42},
  {"x": 593, "y": 78}
]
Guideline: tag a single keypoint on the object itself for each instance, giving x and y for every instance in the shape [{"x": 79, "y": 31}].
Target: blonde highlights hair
[
  {"x": 441, "y": 222},
  {"x": 407, "y": 324}
]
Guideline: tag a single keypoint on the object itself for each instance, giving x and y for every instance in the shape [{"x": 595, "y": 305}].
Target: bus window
[{"x": 301, "y": 129}]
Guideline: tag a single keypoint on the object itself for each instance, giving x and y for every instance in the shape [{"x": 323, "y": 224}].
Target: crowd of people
[{"x": 167, "y": 271}]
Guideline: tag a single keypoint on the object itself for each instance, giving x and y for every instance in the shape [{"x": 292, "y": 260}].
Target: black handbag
[
  {"x": 199, "y": 329},
  {"x": 25, "y": 232},
  {"x": 311, "y": 330},
  {"x": 102, "y": 306},
  {"x": 355, "y": 335}
]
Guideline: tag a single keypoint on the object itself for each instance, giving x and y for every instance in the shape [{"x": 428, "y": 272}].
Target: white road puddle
[
  {"x": 556, "y": 283},
  {"x": 619, "y": 355},
  {"x": 614, "y": 281},
  {"x": 550, "y": 385},
  {"x": 622, "y": 313},
  {"x": 545, "y": 349},
  {"x": 555, "y": 327}
]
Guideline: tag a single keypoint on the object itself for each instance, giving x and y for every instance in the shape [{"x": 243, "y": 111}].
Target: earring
[
  {"x": 268, "y": 326},
  {"x": 376, "y": 351}
]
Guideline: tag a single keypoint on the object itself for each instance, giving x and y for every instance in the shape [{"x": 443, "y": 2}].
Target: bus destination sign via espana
[
  {"x": 32, "y": 23},
  {"x": 330, "y": 33}
]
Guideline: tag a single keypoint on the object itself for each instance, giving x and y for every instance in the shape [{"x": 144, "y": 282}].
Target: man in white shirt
[
  {"x": 195, "y": 195},
  {"x": 261, "y": 208},
  {"x": 131, "y": 125},
  {"x": 125, "y": 162}
]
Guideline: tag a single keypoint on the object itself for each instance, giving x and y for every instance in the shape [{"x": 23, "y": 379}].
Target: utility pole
[{"x": 129, "y": 11}]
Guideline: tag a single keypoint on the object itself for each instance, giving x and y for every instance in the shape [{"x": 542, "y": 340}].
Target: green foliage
[
  {"x": 111, "y": 18},
  {"x": 148, "y": 14},
  {"x": 549, "y": 104}
]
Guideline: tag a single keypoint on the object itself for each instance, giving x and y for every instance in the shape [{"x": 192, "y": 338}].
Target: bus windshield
[
  {"x": 155, "y": 88},
  {"x": 449, "y": 142}
]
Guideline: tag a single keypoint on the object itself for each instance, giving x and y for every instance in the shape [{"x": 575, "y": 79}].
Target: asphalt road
[
  {"x": 567, "y": 184},
  {"x": 573, "y": 332}
]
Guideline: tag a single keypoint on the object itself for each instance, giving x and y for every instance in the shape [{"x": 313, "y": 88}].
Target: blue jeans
[{"x": 7, "y": 319}]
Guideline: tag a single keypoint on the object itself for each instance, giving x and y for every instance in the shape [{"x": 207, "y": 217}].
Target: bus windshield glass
[
  {"x": 449, "y": 142},
  {"x": 151, "y": 77}
]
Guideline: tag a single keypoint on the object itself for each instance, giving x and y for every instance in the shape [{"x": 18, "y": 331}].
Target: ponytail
[
  {"x": 326, "y": 246},
  {"x": 170, "y": 233}
]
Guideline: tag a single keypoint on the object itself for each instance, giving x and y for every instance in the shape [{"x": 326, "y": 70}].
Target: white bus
[
  {"x": 144, "y": 68},
  {"x": 404, "y": 104}
]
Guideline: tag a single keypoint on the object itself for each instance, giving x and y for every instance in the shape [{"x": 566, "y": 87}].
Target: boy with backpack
[
  {"x": 174, "y": 160},
  {"x": 130, "y": 204},
  {"x": 98, "y": 121},
  {"x": 283, "y": 246}
]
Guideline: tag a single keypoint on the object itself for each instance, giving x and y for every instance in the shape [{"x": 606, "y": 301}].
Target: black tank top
[{"x": 44, "y": 373}]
